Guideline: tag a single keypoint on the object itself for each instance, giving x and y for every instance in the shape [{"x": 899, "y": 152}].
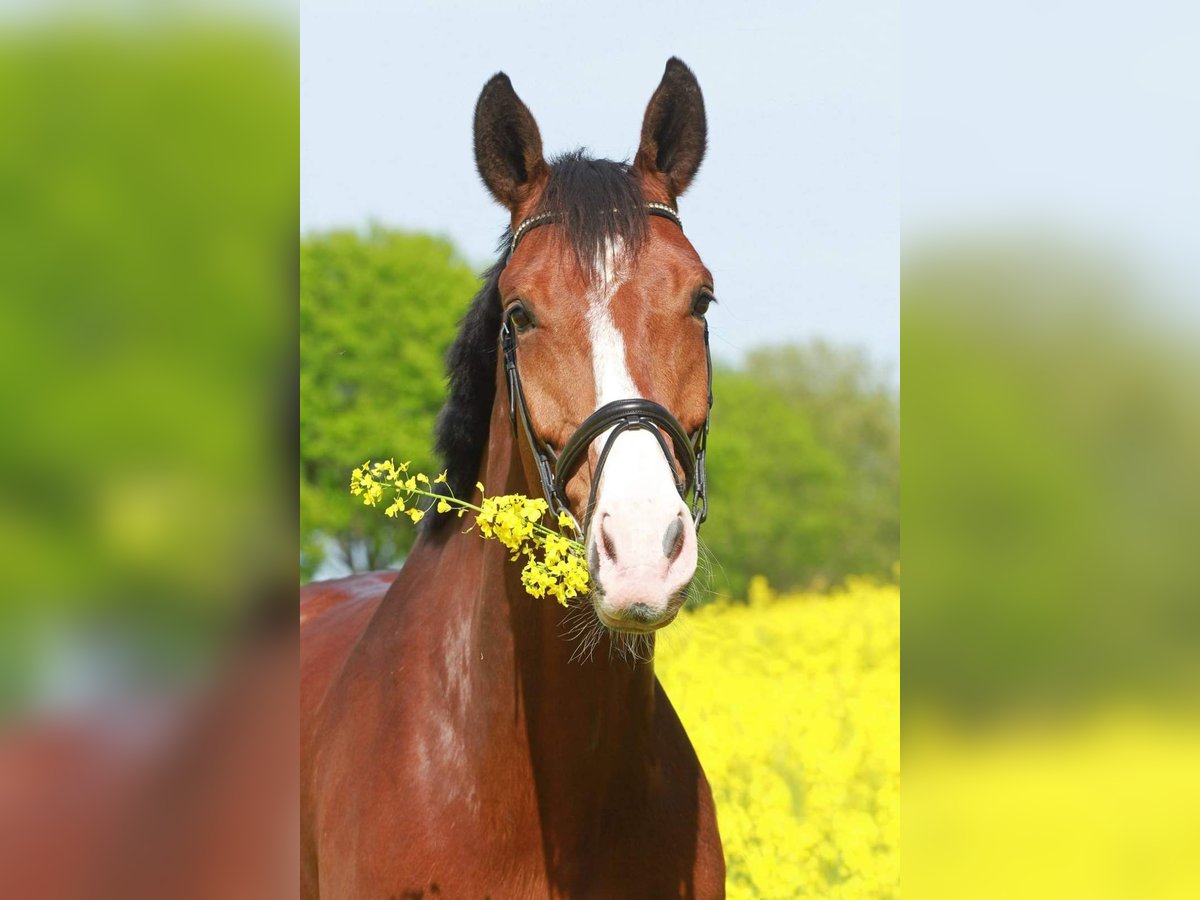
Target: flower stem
[{"x": 454, "y": 501}]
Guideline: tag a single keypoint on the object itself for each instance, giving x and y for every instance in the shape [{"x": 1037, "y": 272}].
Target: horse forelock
[{"x": 596, "y": 204}]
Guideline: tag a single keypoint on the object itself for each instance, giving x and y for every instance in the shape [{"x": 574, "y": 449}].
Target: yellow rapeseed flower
[
  {"x": 808, "y": 793},
  {"x": 555, "y": 566}
]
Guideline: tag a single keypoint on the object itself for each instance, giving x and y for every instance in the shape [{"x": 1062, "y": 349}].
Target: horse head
[{"x": 603, "y": 336}]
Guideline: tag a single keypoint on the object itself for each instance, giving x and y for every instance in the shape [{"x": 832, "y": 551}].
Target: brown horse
[{"x": 451, "y": 745}]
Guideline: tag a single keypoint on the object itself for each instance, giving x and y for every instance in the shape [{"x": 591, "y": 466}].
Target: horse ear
[
  {"x": 674, "y": 130},
  {"x": 508, "y": 145}
]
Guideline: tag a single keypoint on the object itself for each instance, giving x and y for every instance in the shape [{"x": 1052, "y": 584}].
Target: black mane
[{"x": 593, "y": 201}]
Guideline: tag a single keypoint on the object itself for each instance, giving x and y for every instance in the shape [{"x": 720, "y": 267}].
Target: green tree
[
  {"x": 377, "y": 312},
  {"x": 777, "y": 496},
  {"x": 854, "y": 410}
]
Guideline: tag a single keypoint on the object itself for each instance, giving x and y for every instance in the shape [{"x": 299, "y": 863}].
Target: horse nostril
[
  {"x": 673, "y": 540},
  {"x": 609, "y": 549}
]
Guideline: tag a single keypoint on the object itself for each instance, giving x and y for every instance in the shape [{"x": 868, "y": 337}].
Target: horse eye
[
  {"x": 519, "y": 318},
  {"x": 701, "y": 303}
]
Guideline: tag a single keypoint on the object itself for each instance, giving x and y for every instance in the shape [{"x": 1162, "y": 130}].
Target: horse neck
[{"x": 582, "y": 722}]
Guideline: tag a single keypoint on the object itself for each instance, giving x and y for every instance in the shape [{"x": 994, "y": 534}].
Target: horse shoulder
[
  {"x": 379, "y": 793},
  {"x": 333, "y": 616}
]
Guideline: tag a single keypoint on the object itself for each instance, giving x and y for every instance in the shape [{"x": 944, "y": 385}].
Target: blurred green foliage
[
  {"x": 1051, "y": 497},
  {"x": 377, "y": 312},
  {"x": 148, "y": 176},
  {"x": 803, "y": 455}
]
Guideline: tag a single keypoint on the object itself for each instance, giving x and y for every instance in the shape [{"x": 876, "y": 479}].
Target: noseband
[{"x": 554, "y": 469}]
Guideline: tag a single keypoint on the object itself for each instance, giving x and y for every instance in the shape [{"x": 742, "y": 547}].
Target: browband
[{"x": 653, "y": 208}]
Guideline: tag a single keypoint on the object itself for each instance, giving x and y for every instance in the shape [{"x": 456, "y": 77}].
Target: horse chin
[{"x": 638, "y": 618}]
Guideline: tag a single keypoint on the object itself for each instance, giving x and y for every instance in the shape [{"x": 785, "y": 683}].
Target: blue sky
[{"x": 796, "y": 209}]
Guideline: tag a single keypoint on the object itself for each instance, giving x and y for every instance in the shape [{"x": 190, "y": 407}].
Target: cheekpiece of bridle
[{"x": 554, "y": 468}]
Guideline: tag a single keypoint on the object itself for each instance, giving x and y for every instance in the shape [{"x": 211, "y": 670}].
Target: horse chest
[{"x": 508, "y": 827}]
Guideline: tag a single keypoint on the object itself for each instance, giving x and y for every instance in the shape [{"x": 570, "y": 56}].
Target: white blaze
[{"x": 636, "y": 468}]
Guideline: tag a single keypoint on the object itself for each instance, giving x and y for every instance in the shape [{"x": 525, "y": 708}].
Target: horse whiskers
[
  {"x": 589, "y": 637},
  {"x": 590, "y": 640},
  {"x": 578, "y": 629},
  {"x": 704, "y": 586},
  {"x": 581, "y": 626},
  {"x": 632, "y": 648},
  {"x": 587, "y": 640},
  {"x": 575, "y": 622}
]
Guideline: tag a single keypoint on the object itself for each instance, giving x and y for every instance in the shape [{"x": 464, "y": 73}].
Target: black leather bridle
[{"x": 554, "y": 469}]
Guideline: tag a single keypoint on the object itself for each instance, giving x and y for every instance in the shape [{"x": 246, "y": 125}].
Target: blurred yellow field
[
  {"x": 793, "y": 704},
  {"x": 1098, "y": 805}
]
